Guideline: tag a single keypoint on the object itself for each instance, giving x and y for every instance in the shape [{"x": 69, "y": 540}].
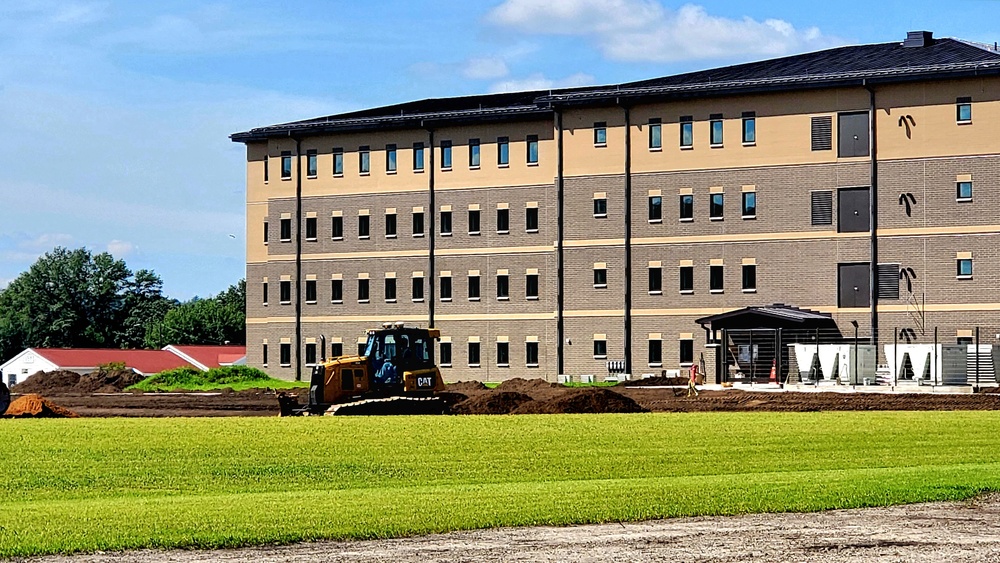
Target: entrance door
[
  {"x": 853, "y": 287},
  {"x": 852, "y": 210}
]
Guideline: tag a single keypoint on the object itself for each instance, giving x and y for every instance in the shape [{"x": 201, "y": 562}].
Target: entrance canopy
[{"x": 774, "y": 316}]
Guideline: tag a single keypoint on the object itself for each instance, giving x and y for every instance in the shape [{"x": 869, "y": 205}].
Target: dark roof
[
  {"x": 778, "y": 311},
  {"x": 854, "y": 65}
]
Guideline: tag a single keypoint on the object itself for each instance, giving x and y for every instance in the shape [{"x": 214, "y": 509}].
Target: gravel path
[{"x": 954, "y": 532}]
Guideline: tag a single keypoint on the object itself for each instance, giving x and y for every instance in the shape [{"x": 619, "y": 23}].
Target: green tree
[
  {"x": 217, "y": 320},
  {"x": 145, "y": 306}
]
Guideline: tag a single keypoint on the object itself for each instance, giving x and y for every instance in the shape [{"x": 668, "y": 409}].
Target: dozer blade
[{"x": 390, "y": 406}]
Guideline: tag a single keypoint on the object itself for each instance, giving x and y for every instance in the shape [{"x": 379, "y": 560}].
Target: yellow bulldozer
[{"x": 395, "y": 375}]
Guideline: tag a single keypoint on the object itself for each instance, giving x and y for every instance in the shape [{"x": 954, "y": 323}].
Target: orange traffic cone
[{"x": 774, "y": 370}]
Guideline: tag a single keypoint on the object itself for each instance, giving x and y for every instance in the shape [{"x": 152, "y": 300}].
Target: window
[
  {"x": 310, "y": 228},
  {"x": 337, "y": 291},
  {"x": 263, "y": 353},
  {"x": 687, "y": 279},
  {"x": 266, "y": 232},
  {"x": 444, "y": 353},
  {"x": 418, "y": 157},
  {"x": 687, "y": 132},
  {"x": 267, "y": 177},
  {"x": 310, "y": 353},
  {"x": 473, "y": 287},
  {"x": 310, "y": 291},
  {"x": 749, "y": 205},
  {"x": 364, "y": 160},
  {"x": 503, "y": 354},
  {"x": 390, "y": 290},
  {"x": 822, "y": 207},
  {"x": 852, "y": 134},
  {"x": 336, "y": 349},
  {"x": 749, "y": 128},
  {"x": 446, "y": 223},
  {"x": 473, "y": 221},
  {"x": 473, "y": 153},
  {"x": 655, "y": 134},
  {"x": 822, "y": 133},
  {"x": 503, "y": 287},
  {"x": 363, "y": 290},
  {"x": 531, "y": 286},
  {"x": 964, "y": 268},
  {"x": 264, "y": 292},
  {"x": 390, "y": 225},
  {"x": 963, "y": 110},
  {"x": 531, "y": 354},
  {"x": 715, "y": 128},
  {"x": 532, "y": 153},
  {"x": 600, "y": 275},
  {"x": 686, "y": 351},
  {"x": 600, "y": 206},
  {"x": 716, "y": 282},
  {"x": 655, "y": 209},
  {"x": 286, "y": 229},
  {"x": 338, "y": 162},
  {"x": 364, "y": 226},
  {"x": 311, "y": 163},
  {"x": 655, "y": 280},
  {"x": 285, "y": 292},
  {"x": 716, "y": 206},
  {"x": 337, "y": 227},
  {"x": 286, "y": 165},
  {"x": 600, "y": 349},
  {"x": 749, "y": 278},
  {"x": 655, "y": 352},
  {"x": 417, "y": 288},
  {"x": 446, "y": 155},
  {"x": 503, "y": 151},
  {"x": 362, "y": 348},
  {"x": 601, "y": 134},
  {"x": 964, "y": 191},
  {"x": 531, "y": 219},
  {"x": 473, "y": 354},
  {"x": 286, "y": 355},
  {"x": 687, "y": 207},
  {"x": 445, "y": 283},
  {"x": 390, "y": 158},
  {"x": 418, "y": 223},
  {"x": 503, "y": 221}
]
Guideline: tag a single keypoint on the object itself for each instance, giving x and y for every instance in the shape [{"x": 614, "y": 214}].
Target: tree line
[{"x": 78, "y": 299}]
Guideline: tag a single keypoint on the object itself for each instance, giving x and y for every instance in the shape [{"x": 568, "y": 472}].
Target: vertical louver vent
[
  {"x": 888, "y": 281},
  {"x": 822, "y": 207},
  {"x": 822, "y": 133}
]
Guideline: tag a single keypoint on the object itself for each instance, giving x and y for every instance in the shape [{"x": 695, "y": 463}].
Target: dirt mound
[
  {"x": 518, "y": 385},
  {"x": 450, "y": 398},
  {"x": 35, "y": 406},
  {"x": 585, "y": 400},
  {"x": 466, "y": 386},
  {"x": 657, "y": 381},
  {"x": 68, "y": 382},
  {"x": 501, "y": 402}
]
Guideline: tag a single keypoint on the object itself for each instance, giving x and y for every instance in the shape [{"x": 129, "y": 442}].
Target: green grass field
[{"x": 108, "y": 484}]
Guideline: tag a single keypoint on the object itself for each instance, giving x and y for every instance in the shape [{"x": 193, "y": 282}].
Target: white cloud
[
  {"x": 46, "y": 241},
  {"x": 120, "y": 248},
  {"x": 644, "y": 30},
  {"x": 538, "y": 81},
  {"x": 485, "y": 68}
]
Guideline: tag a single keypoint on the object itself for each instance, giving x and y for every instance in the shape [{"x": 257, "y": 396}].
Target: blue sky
[{"x": 116, "y": 114}]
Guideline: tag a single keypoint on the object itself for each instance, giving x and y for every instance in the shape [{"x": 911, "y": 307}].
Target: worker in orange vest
[{"x": 692, "y": 389}]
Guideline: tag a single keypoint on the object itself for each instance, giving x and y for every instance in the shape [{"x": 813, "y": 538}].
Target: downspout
[
  {"x": 431, "y": 211},
  {"x": 560, "y": 271},
  {"x": 628, "y": 240},
  {"x": 298, "y": 259},
  {"x": 873, "y": 215}
]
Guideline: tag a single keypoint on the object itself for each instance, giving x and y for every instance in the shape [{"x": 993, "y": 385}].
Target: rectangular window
[
  {"x": 285, "y": 292},
  {"x": 286, "y": 230},
  {"x": 655, "y": 281},
  {"x": 503, "y": 151},
  {"x": 311, "y": 228},
  {"x": 964, "y": 191},
  {"x": 749, "y": 128},
  {"x": 445, "y": 283},
  {"x": 822, "y": 207},
  {"x": 418, "y": 157},
  {"x": 418, "y": 223},
  {"x": 264, "y": 292},
  {"x": 474, "y": 221},
  {"x": 715, "y": 128},
  {"x": 687, "y": 279},
  {"x": 362, "y": 348},
  {"x": 964, "y": 268},
  {"x": 286, "y": 165},
  {"x": 822, "y": 133},
  {"x": 266, "y": 232},
  {"x": 338, "y": 162},
  {"x": 364, "y": 226},
  {"x": 473, "y": 153},
  {"x": 531, "y": 286},
  {"x": 446, "y": 155},
  {"x": 503, "y": 221},
  {"x": 263, "y": 353},
  {"x": 686, "y": 352},
  {"x": 716, "y": 206},
  {"x": 687, "y": 132},
  {"x": 446, "y": 223},
  {"x": 336, "y": 349},
  {"x": 267, "y": 177},
  {"x": 417, "y": 289},
  {"x": 311, "y": 163},
  {"x": 600, "y": 207},
  {"x": 503, "y": 287},
  {"x": 390, "y": 225},
  {"x": 963, "y": 110},
  {"x": 686, "y": 207},
  {"x": 390, "y": 158},
  {"x": 336, "y": 291},
  {"x": 473, "y": 288},
  {"x": 444, "y": 353},
  {"x": 364, "y": 160},
  {"x": 310, "y": 291},
  {"x": 749, "y": 278},
  {"x": 600, "y": 276},
  {"x": 655, "y": 209},
  {"x": 600, "y": 134},
  {"x": 531, "y": 219},
  {"x": 716, "y": 281},
  {"x": 531, "y": 354},
  {"x": 473, "y": 354},
  {"x": 503, "y": 354},
  {"x": 310, "y": 353},
  {"x": 655, "y": 134},
  {"x": 532, "y": 152},
  {"x": 390, "y": 290},
  {"x": 363, "y": 290},
  {"x": 749, "y": 205},
  {"x": 852, "y": 134},
  {"x": 286, "y": 355},
  {"x": 600, "y": 349},
  {"x": 337, "y": 228},
  {"x": 655, "y": 353}
]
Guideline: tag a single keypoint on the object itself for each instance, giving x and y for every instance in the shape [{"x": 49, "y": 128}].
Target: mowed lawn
[{"x": 108, "y": 484}]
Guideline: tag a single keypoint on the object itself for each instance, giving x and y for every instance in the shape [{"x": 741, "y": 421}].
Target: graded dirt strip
[{"x": 954, "y": 532}]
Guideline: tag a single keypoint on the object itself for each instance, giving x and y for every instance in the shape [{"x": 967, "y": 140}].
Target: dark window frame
[
  {"x": 749, "y": 208},
  {"x": 389, "y": 288},
  {"x": 531, "y": 217},
  {"x": 654, "y": 209},
  {"x": 717, "y": 206},
  {"x": 685, "y": 207},
  {"x": 654, "y": 352},
  {"x": 749, "y": 275}
]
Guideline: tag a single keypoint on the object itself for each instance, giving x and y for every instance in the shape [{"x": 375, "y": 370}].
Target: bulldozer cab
[{"x": 391, "y": 353}]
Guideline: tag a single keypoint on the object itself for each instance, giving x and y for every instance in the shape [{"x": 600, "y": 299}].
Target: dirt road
[{"x": 954, "y": 532}]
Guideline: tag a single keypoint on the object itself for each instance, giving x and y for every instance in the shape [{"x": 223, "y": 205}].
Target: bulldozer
[{"x": 395, "y": 375}]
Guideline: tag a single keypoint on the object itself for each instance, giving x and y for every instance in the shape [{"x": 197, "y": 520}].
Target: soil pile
[
  {"x": 580, "y": 401},
  {"x": 527, "y": 386},
  {"x": 71, "y": 383},
  {"x": 657, "y": 381},
  {"x": 467, "y": 387},
  {"x": 501, "y": 402},
  {"x": 35, "y": 406}
]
